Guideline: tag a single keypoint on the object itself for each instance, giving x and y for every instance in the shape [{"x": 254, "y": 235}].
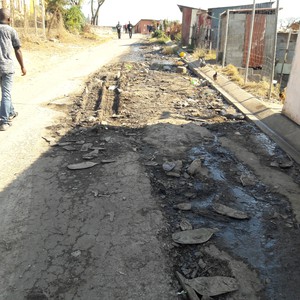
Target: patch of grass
[
  {"x": 161, "y": 40},
  {"x": 169, "y": 50},
  {"x": 204, "y": 53},
  {"x": 211, "y": 55},
  {"x": 233, "y": 73},
  {"x": 128, "y": 66},
  {"x": 199, "y": 53},
  {"x": 259, "y": 89}
]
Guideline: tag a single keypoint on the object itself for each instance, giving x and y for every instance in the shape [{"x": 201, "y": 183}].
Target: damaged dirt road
[{"x": 152, "y": 187}]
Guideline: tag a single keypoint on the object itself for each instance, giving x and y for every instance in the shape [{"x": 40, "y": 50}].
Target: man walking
[
  {"x": 8, "y": 39},
  {"x": 119, "y": 27},
  {"x": 129, "y": 28}
]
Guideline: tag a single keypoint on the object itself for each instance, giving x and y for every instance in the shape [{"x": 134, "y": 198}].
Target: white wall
[{"x": 291, "y": 106}]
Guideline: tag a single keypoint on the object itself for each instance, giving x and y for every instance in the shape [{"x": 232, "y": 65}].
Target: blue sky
[{"x": 113, "y": 11}]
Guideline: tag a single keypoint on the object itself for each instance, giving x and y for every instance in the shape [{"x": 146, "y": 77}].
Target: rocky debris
[
  {"x": 173, "y": 169},
  {"x": 169, "y": 166},
  {"x": 108, "y": 161},
  {"x": 76, "y": 253},
  {"x": 247, "y": 180},
  {"x": 82, "y": 165},
  {"x": 195, "y": 236},
  {"x": 181, "y": 70},
  {"x": 91, "y": 155},
  {"x": 86, "y": 147},
  {"x": 183, "y": 206},
  {"x": 230, "y": 212},
  {"x": 190, "y": 291},
  {"x": 69, "y": 148},
  {"x": 213, "y": 286},
  {"x": 196, "y": 169},
  {"x": 286, "y": 164},
  {"x": 185, "y": 225},
  {"x": 151, "y": 164}
]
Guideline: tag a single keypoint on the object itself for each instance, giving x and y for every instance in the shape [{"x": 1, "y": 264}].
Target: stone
[
  {"x": 247, "y": 180},
  {"x": 230, "y": 212},
  {"x": 168, "y": 166},
  {"x": 195, "y": 236},
  {"x": 195, "y": 167},
  {"x": 181, "y": 69},
  {"x": 86, "y": 147},
  {"x": 76, "y": 253},
  {"x": 91, "y": 155},
  {"x": 213, "y": 286},
  {"x": 83, "y": 165},
  {"x": 69, "y": 148},
  {"x": 185, "y": 225},
  {"x": 183, "y": 206}
]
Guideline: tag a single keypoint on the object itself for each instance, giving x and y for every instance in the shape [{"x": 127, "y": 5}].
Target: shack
[{"x": 196, "y": 27}]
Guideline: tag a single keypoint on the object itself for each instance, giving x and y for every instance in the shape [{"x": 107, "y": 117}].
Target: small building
[
  {"x": 291, "y": 106},
  {"x": 234, "y": 38},
  {"x": 196, "y": 25},
  {"x": 144, "y": 25},
  {"x": 216, "y": 11}
]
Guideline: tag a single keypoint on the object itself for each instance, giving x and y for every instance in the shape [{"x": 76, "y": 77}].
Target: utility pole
[
  {"x": 226, "y": 39},
  {"x": 274, "y": 50},
  {"x": 218, "y": 37},
  {"x": 250, "y": 42}
]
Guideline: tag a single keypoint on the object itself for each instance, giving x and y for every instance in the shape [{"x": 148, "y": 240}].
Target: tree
[
  {"x": 94, "y": 19},
  {"x": 57, "y": 9},
  {"x": 288, "y": 23},
  {"x": 74, "y": 19}
]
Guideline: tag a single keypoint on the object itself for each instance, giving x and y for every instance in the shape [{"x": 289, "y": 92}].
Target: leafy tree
[
  {"x": 57, "y": 9},
  {"x": 95, "y": 12},
  {"x": 74, "y": 19}
]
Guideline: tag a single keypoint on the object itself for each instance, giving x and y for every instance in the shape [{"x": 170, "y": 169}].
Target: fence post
[
  {"x": 35, "y": 19},
  {"x": 226, "y": 40},
  {"x": 285, "y": 56},
  {"x": 218, "y": 37},
  {"x": 250, "y": 42},
  {"x": 43, "y": 18},
  {"x": 274, "y": 51}
]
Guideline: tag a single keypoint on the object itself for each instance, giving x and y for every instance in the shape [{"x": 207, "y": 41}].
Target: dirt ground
[{"x": 162, "y": 153}]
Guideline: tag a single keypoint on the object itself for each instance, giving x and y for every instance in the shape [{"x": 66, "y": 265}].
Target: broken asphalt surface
[{"x": 151, "y": 186}]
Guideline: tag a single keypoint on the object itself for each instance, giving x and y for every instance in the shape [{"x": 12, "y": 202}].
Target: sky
[{"x": 113, "y": 11}]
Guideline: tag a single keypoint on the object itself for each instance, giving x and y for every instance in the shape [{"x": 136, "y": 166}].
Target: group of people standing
[{"x": 127, "y": 27}]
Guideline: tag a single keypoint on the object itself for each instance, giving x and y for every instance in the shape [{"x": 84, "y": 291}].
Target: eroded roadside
[{"x": 106, "y": 231}]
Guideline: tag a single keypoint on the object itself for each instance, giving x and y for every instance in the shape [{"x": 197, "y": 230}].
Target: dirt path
[{"x": 167, "y": 153}]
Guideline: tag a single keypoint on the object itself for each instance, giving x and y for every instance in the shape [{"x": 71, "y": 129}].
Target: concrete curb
[{"x": 283, "y": 131}]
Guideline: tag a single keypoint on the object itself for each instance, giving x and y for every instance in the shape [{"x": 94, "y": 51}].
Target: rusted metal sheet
[
  {"x": 186, "y": 25},
  {"x": 258, "y": 41}
]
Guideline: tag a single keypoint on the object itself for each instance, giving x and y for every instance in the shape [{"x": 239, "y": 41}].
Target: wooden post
[
  {"x": 274, "y": 51},
  {"x": 25, "y": 17},
  {"x": 226, "y": 39},
  {"x": 218, "y": 37},
  {"x": 250, "y": 42},
  {"x": 35, "y": 8},
  {"x": 43, "y": 18}
]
